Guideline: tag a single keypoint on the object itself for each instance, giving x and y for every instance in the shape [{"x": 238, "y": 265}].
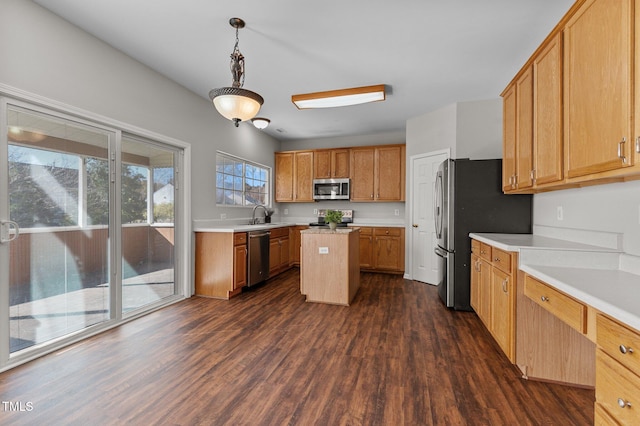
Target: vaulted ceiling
[{"x": 430, "y": 53}]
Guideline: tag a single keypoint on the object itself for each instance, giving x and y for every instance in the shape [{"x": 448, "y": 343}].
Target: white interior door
[{"x": 423, "y": 240}]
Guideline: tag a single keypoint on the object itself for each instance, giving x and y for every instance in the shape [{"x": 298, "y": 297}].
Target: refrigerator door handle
[
  {"x": 437, "y": 205},
  {"x": 440, "y": 252}
]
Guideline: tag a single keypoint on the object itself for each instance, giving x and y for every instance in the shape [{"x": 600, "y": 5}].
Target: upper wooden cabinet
[
  {"x": 331, "y": 163},
  {"x": 517, "y": 165},
  {"x": 547, "y": 114},
  {"x": 598, "y": 42},
  {"x": 583, "y": 108},
  {"x": 378, "y": 173},
  {"x": 294, "y": 176}
]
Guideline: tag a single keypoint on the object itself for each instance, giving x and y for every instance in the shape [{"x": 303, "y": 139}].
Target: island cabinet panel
[
  {"x": 331, "y": 163},
  {"x": 329, "y": 271},
  {"x": 617, "y": 371},
  {"x": 220, "y": 264}
]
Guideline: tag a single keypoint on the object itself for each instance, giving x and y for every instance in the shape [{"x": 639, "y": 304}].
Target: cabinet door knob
[
  {"x": 626, "y": 350},
  {"x": 623, "y": 404},
  {"x": 544, "y": 298}
]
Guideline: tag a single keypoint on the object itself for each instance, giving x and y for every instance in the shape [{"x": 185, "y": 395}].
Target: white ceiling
[{"x": 430, "y": 53}]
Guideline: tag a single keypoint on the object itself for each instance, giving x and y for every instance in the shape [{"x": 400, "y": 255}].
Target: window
[{"x": 240, "y": 182}]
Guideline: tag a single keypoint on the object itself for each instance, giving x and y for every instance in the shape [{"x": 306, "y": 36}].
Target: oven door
[{"x": 445, "y": 284}]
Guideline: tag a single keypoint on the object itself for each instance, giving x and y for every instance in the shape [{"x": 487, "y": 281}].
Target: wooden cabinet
[
  {"x": 220, "y": 264},
  {"x": 382, "y": 249},
  {"x": 389, "y": 249},
  {"x": 493, "y": 293},
  {"x": 585, "y": 103},
  {"x": 559, "y": 304},
  {"x": 517, "y": 166},
  {"x": 481, "y": 280},
  {"x": 239, "y": 260},
  {"x": 598, "y": 41},
  {"x": 295, "y": 244},
  {"x": 547, "y": 114},
  {"x": 378, "y": 173},
  {"x": 331, "y": 163},
  {"x": 278, "y": 251},
  {"x": 617, "y": 372},
  {"x": 294, "y": 176}
]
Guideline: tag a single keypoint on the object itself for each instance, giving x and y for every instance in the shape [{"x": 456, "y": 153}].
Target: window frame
[{"x": 245, "y": 204}]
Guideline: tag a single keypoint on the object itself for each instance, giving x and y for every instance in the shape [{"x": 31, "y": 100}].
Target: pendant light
[{"x": 235, "y": 103}]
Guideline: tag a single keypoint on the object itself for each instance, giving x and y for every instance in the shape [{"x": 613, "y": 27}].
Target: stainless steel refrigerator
[{"x": 469, "y": 198}]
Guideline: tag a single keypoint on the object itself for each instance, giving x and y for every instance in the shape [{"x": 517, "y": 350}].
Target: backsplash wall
[{"x": 612, "y": 208}]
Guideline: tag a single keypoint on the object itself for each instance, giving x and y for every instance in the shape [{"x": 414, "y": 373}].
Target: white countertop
[
  {"x": 589, "y": 273},
  {"x": 318, "y": 230},
  {"x": 262, "y": 226}
]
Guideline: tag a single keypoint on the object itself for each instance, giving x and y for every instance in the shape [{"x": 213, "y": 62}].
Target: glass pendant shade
[{"x": 236, "y": 104}]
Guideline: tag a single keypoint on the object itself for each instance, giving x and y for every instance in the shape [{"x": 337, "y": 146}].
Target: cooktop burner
[{"x": 326, "y": 225}]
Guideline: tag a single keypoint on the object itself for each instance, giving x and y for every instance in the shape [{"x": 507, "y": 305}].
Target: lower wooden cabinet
[
  {"x": 493, "y": 295},
  {"x": 382, "y": 249},
  {"x": 220, "y": 264},
  {"x": 278, "y": 251},
  {"x": 617, "y": 372},
  {"x": 295, "y": 244}
]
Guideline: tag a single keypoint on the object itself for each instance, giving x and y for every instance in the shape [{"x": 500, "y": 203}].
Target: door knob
[{"x": 415, "y": 225}]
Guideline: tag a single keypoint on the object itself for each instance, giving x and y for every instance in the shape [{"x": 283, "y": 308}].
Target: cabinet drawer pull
[
  {"x": 620, "y": 152},
  {"x": 497, "y": 259},
  {"x": 544, "y": 298},
  {"x": 623, "y": 404},
  {"x": 625, "y": 350}
]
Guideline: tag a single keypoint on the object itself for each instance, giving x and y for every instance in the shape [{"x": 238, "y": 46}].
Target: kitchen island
[{"x": 330, "y": 265}]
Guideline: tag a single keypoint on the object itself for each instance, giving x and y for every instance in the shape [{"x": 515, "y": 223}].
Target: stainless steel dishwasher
[{"x": 258, "y": 262}]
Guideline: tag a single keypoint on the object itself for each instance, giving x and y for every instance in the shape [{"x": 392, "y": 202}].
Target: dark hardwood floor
[{"x": 395, "y": 357}]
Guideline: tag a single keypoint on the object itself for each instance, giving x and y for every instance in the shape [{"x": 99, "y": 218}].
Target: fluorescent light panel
[{"x": 338, "y": 98}]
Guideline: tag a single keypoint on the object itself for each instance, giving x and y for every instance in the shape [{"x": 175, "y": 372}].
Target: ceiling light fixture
[
  {"x": 260, "y": 122},
  {"x": 235, "y": 103},
  {"x": 338, "y": 98}
]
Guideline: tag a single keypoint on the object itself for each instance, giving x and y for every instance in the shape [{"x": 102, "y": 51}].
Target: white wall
[
  {"x": 469, "y": 129},
  {"x": 612, "y": 207},
  {"x": 46, "y": 56}
]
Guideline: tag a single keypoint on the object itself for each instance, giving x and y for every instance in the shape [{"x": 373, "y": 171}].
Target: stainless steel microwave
[{"x": 331, "y": 189}]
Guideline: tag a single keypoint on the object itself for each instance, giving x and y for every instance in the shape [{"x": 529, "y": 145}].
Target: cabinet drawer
[
  {"x": 475, "y": 247},
  {"x": 562, "y": 306},
  {"x": 392, "y": 232},
  {"x": 239, "y": 238},
  {"x": 279, "y": 232},
  {"x": 485, "y": 251},
  {"x": 617, "y": 389},
  {"x": 501, "y": 260},
  {"x": 620, "y": 342}
]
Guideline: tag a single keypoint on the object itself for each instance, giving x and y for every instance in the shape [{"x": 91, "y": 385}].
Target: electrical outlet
[
  {"x": 286, "y": 211},
  {"x": 396, "y": 212},
  {"x": 223, "y": 216},
  {"x": 315, "y": 211},
  {"x": 323, "y": 250},
  {"x": 560, "y": 213}
]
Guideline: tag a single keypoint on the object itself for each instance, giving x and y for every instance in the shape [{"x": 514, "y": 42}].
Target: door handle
[
  {"x": 415, "y": 225},
  {"x": 5, "y": 234}
]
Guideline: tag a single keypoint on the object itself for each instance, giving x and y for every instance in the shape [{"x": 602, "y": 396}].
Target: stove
[{"x": 347, "y": 218}]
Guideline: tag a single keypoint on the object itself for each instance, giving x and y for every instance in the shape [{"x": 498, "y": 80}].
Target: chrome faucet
[{"x": 253, "y": 215}]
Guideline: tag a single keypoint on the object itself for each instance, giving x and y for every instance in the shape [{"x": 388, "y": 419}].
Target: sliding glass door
[
  {"x": 58, "y": 201},
  {"x": 148, "y": 216},
  {"x": 87, "y": 227}
]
